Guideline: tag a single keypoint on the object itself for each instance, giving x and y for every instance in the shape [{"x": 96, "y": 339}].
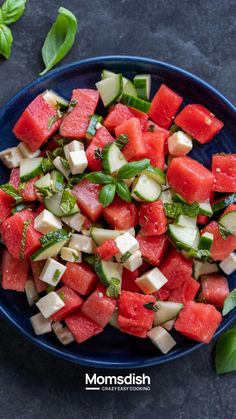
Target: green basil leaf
[
  {"x": 123, "y": 191},
  {"x": 113, "y": 288},
  {"x": 68, "y": 201},
  {"x": 121, "y": 141},
  {"x": 230, "y": 302},
  {"x": 132, "y": 169},
  {"x": 53, "y": 237},
  {"x": 59, "y": 39},
  {"x": 107, "y": 194},
  {"x": 225, "y": 354},
  {"x": 6, "y": 40},
  {"x": 224, "y": 232},
  {"x": 12, "y": 10},
  {"x": 100, "y": 178},
  {"x": 11, "y": 191}
]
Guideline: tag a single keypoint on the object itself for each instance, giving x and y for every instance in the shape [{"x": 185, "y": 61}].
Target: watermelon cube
[
  {"x": 152, "y": 218},
  {"x": 82, "y": 105},
  {"x": 99, "y": 307},
  {"x": 214, "y": 289},
  {"x": 14, "y": 272},
  {"x": 79, "y": 277},
  {"x": 221, "y": 247},
  {"x": 101, "y": 138},
  {"x": 135, "y": 149},
  {"x": 117, "y": 115},
  {"x": 224, "y": 171},
  {"x": 107, "y": 250},
  {"x": 82, "y": 327},
  {"x": 187, "y": 292},
  {"x": 72, "y": 303},
  {"x": 198, "y": 321},
  {"x": 142, "y": 116},
  {"x": 176, "y": 268},
  {"x": 36, "y": 268},
  {"x": 6, "y": 202},
  {"x": 37, "y": 123},
  {"x": 29, "y": 192},
  {"x": 164, "y": 106},
  {"x": 15, "y": 177},
  {"x": 155, "y": 145},
  {"x": 153, "y": 248},
  {"x": 121, "y": 214},
  {"x": 86, "y": 194},
  {"x": 128, "y": 281}
]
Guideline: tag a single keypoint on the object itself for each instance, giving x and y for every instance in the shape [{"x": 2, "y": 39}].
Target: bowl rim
[{"x": 80, "y": 359}]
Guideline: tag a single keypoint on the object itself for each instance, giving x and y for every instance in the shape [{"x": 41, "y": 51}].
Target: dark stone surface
[{"x": 198, "y": 36}]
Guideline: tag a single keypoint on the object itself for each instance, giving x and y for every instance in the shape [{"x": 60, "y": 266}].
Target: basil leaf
[
  {"x": 150, "y": 306},
  {"x": 11, "y": 11},
  {"x": 100, "y": 178},
  {"x": 107, "y": 194},
  {"x": 224, "y": 232},
  {"x": 123, "y": 191},
  {"x": 121, "y": 141},
  {"x": 113, "y": 289},
  {"x": 11, "y": 191},
  {"x": 175, "y": 209},
  {"x": 53, "y": 237},
  {"x": 230, "y": 302},
  {"x": 68, "y": 201},
  {"x": 225, "y": 354},
  {"x": 59, "y": 39},
  {"x": 132, "y": 169},
  {"x": 6, "y": 40}
]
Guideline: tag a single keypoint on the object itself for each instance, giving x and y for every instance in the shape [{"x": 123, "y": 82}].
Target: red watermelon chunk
[
  {"x": 86, "y": 194},
  {"x": 142, "y": 116},
  {"x": 164, "y": 106},
  {"x": 121, "y": 113},
  {"x": 76, "y": 121},
  {"x": 187, "y": 292},
  {"x": 198, "y": 321},
  {"x": 101, "y": 138},
  {"x": 12, "y": 229},
  {"x": 79, "y": 277},
  {"x": 15, "y": 177},
  {"x": 121, "y": 214},
  {"x": 72, "y": 303},
  {"x": 214, "y": 289},
  {"x": 36, "y": 268},
  {"x": 152, "y": 218},
  {"x": 34, "y": 127},
  {"x": 221, "y": 247},
  {"x": 153, "y": 248},
  {"x": 224, "y": 171},
  {"x": 190, "y": 179},
  {"x": 176, "y": 269},
  {"x": 28, "y": 193},
  {"x": 135, "y": 149},
  {"x": 82, "y": 327},
  {"x": 14, "y": 272},
  {"x": 155, "y": 144},
  {"x": 107, "y": 250},
  {"x": 6, "y": 202},
  {"x": 128, "y": 281},
  {"x": 99, "y": 307}
]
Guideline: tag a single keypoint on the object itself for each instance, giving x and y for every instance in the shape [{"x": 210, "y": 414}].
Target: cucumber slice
[
  {"x": 205, "y": 208},
  {"x": 29, "y": 168},
  {"x": 112, "y": 158},
  {"x": 229, "y": 221},
  {"x": 49, "y": 251},
  {"x": 110, "y": 89},
  {"x": 92, "y": 128},
  {"x": 204, "y": 268},
  {"x": 128, "y": 86},
  {"x": 106, "y": 73},
  {"x": 100, "y": 235},
  {"x": 53, "y": 205},
  {"x": 142, "y": 83},
  {"x": 185, "y": 221},
  {"x": 184, "y": 237},
  {"x": 166, "y": 196},
  {"x": 107, "y": 271},
  {"x": 43, "y": 182},
  {"x": 135, "y": 102},
  {"x": 156, "y": 174},
  {"x": 146, "y": 189},
  {"x": 57, "y": 181},
  {"x": 114, "y": 319},
  {"x": 224, "y": 202},
  {"x": 206, "y": 241},
  {"x": 55, "y": 100},
  {"x": 167, "y": 310}
]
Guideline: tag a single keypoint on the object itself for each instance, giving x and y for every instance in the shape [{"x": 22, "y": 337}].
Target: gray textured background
[{"x": 200, "y": 36}]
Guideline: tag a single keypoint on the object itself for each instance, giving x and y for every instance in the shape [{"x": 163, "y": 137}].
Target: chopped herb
[
  {"x": 11, "y": 191},
  {"x": 173, "y": 210},
  {"x": 121, "y": 141},
  {"x": 201, "y": 254},
  {"x": 75, "y": 257},
  {"x": 174, "y": 128},
  {"x": 53, "y": 237},
  {"x": 56, "y": 275},
  {"x": 68, "y": 201},
  {"x": 65, "y": 163},
  {"x": 75, "y": 180},
  {"x": 18, "y": 208},
  {"x": 23, "y": 237},
  {"x": 72, "y": 105},
  {"x": 58, "y": 152},
  {"x": 61, "y": 141},
  {"x": 47, "y": 165},
  {"x": 57, "y": 115},
  {"x": 50, "y": 288},
  {"x": 90, "y": 259},
  {"x": 230, "y": 302},
  {"x": 113, "y": 289},
  {"x": 151, "y": 128},
  {"x": 98, "y": 153},
  {"x": 45, "y": 192},
  {"x": 150, "y": 306},
  {"x": 125, "y": 257},
  {"x": 224, "y": 232},
  {"x": 61, "y": 295}
]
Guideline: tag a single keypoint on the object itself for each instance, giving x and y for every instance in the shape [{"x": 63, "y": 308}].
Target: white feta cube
[
  {"x": 31, "y": 292},
  {"x": 161, "y": 339},
  {"x": 71, "y": 255},
  {"x": 126, "y": 243},
  {"x": 26, "y": 152},
  {"x": 77, "y": 161},
  {"x": 82, "y": 243},
  {"x": 52, "y": 272},
  {"x": 73, "y": 146},
  {"x": 151, "y": 281},
  {"x": 62, "y": 333},
  {"x": 134, "y": 261},
  {"x": 180, "y": 144},
  {"x": 40, "y": 324},
  {"x": 50, "y": 304},
  {"x": 11, "y": 157},
  {"x": 46, "y": 222},
  {"x": 75, "y": 221},
  {"x": 60, "y": 166},
  {"x": 228, "y": 265}
]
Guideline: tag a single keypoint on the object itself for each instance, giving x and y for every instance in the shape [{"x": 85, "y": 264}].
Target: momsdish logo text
[{"x": 129, "y": 382}]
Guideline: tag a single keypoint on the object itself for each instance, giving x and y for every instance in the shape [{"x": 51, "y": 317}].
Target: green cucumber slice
[
  {"x": 146, "y": 189},
  {"x": 53, "y": 205},
  {"x": 185, "y": 221},
  {"x": 57, "y": 181},
  {"x": 107, "y": 271},
  {"x": 204, "y": 268},
  {"x": 206, "y": 241},
  {"x": 167, "y": 310},
  {"x": 29, "y": 168},
  {"x": 55, "y": 100},
  {"x": 112, "y": 158},
  {"x": 224, "y": 202},
  {"x": 92, "y": 128},
  {"x": 110, "y": 89},
  {"x": 156, "y": 174},
  {"x": 135, "y": 102},
  {"x": 184, "y": 237},
  {"x": 49, "y": 251},
  {"x": 43, "y": 182},
  {"x": 142, "y": 83},
  {"x": 205, "y": 208},
  {"x": 128, "y": 86},
  {"x": 229, "y": 221}
]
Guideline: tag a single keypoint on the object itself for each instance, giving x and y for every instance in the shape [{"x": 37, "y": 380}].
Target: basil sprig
[
  {"x": 10, "y": 12},
  {"x": 132, "y": 169},
  {"x": 230, "y": 302},
  {"x": 123, "y": 191},
  {"x": 107, "y": 194},
  {"x": 59, "y": 39},
  {"x": 225, "y": 354},
  {"x": 100, "y": 178}
]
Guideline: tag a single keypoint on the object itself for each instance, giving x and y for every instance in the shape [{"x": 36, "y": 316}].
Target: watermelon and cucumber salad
[{"x": 106, "y": 219}]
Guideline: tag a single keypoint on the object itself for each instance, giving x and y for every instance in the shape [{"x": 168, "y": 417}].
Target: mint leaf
[
  {"x": 123, "y": 191},
  {"x": 47, "y": 165},
  {"x": 56, "y": 275},
  {"x": 113, "y": 289},
  {"x": 99, "y": 178},
  {"x": 125, "y": 257},
  {"x": 107, "y": 194},
  {"x": 229, "y": 303},
  {"x": 53, "y": 237},
  {"x": 132, "y": 169},
  {"x": 68, "y": 201},
  {"x": 225, "y": 354}
]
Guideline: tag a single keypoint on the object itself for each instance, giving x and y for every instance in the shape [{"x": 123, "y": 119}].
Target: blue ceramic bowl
[{"x": 112, "y": 349}]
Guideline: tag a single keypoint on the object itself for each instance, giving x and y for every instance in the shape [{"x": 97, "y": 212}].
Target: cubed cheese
[
  {"x": 75, "y": 221},
  {"x": 31, "y": 292},
  {"x": 82, "y": 243},
  {"x": 40, "y": 324},
  {"x": 71, "y": 255},
  {"x": 228, "y": 265},
  {"x": 126, "y": 243},
  {"x": 46, "y": 222},
  {"x": 161, "y": 339},
  {"x": 60, "y": 166},
  {"x": 62, "y": 333},
  {"x": 11, "y": 157},
  {"x": 134, "y": 261},
  {"x": 50, "y": 304},
  {"x": 179, "y": 144},
  {"x": 73, "y": 146},
  {"x": 52, "y": 272},
  {"x": 77, "y": 161},
  {"x": 26, "y": 152},
  {"x": 151, "y": 281}
]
